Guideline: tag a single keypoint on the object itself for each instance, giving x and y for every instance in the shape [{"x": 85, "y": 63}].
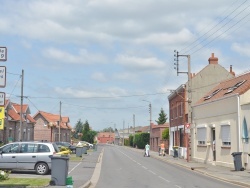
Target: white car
[
  {"x": 28, "y": 156},
  {"x": 82, "y": 143}
]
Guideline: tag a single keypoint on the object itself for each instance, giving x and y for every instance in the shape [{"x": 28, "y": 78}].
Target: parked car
[
  {"x": 67, "y": 145},
  {"x": 82, "y": 143},
  {"x": 28, "y": 156}
]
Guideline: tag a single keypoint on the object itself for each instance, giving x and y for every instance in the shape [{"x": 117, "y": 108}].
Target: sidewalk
[
  {"x": 82, "y": 171},
  {"x": 222, "y": 173}
]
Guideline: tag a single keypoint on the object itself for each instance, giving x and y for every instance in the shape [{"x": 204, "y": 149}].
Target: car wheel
[{"x": 42, "y": 168}]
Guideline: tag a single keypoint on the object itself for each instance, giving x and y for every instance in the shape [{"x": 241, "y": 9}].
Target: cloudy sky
[{"x": 106, "y": 60}]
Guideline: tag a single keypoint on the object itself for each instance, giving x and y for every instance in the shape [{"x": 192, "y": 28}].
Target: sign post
[
  {"x": 3, "y": 54},
  {"x": 187, "y": 131},
  {"x": 3, "y": 57}
]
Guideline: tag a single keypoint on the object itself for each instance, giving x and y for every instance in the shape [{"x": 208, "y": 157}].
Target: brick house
[
  {"x": 11, "y": 131},
  {"x": 156, "y": 136},
  {"x": 201, "y": 83},
  {"x": 47, "y": 127},
  {"x": 106, "y": 137}
]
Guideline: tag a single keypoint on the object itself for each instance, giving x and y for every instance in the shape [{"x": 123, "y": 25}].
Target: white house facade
[{"x": 220, "y": 123}]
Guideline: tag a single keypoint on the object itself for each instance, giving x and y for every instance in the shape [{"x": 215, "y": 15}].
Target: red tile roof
[
  {"x": 31, "y": 119},
  {"x": 17, "y": 107},
  {"x": 54, "y": 119},
  {"x": 15, "y": 116},
  {"x": 238, "y": 85},
  {"x": 165, "y": 125}
]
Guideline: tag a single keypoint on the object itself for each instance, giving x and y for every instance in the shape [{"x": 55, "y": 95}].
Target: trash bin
[
  {"x": 175, "y": 151},
  {"x": 237, "y": 161},
  {"x": 78, "y": 151},
  {"x": 84, "y": 149},
  {"x": 59, "y": 170}
]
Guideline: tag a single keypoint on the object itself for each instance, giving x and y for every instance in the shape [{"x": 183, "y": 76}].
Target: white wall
[{"x": 214, "y": 114}]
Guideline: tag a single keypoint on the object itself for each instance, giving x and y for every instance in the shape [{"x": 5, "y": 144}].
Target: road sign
[
  {"x": 2, "y": 99},
  {"x": 3, "y": 54},
  {"x": 2, "y": 113},
  {"x": 187, "y": 131},
  {"x": 187, "y": 125},
  {"x": 2, "y": 76}
]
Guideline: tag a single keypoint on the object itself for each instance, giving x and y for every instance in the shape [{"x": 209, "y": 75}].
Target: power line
[
  {"x": 118, "y": 96},
  {"x": 105, "y": 108},
  {"x": 213, "y": 27}
]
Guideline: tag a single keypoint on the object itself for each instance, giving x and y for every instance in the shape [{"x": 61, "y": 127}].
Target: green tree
[
  {"x": 78, "y": 128},
  {"x": 85, "y": 132},
  {"x": 91, "y": 136},
  {"x": 109, "y": 129},
  {"x": 165, "y": 134},
  {"x": 162, "y": 117}
]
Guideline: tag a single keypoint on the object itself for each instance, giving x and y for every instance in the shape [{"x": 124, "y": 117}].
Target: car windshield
[
  {"x": 56, "y": 148},
  {"x": 66, "y": 144}
]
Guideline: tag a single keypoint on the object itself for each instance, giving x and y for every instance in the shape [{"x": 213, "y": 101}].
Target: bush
[
  {"x": 126, "y": 142},
  {"x": 131, "y": 139},
  {"x": 141, "y": 139},
  {"x": 4, "y": 175}
]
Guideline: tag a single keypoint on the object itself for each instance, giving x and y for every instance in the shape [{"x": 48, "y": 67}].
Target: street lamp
[
  {"x": 150, "y": 110},
  {"x": 150, "y": 116}
]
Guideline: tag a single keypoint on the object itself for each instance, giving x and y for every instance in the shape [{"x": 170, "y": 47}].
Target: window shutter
[
  {"x": 225, "y": 133},
  {"x": 201, "y": 134}
]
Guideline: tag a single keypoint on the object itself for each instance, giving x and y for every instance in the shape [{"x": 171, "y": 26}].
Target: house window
[
  {"x": 28, "y": 135},
  {"x": 181, "y": 137},
  {"x": 181, "y": 109},
  {"x": 201, "y": 136},
  {"x": 225, "y": 135}
]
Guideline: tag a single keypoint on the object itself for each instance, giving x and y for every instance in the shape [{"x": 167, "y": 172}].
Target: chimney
[
  {"x": 213, "y": 60},
  {"x": 231, "y": 70}
]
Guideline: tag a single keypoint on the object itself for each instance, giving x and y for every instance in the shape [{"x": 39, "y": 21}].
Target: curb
[{"x": 86, "y": 185}]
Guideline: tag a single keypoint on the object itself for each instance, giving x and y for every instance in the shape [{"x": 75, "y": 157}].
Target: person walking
[
  {"x": 147, "y": 147},
  {"x": 162, "y": 148}
]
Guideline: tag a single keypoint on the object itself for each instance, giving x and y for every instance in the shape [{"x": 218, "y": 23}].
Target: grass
[{"x": 24, "y": 182}]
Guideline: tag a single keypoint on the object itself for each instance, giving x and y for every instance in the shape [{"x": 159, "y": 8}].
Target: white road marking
[
  {"x": 164, "y": 179},
  {"x": 152, "y": 172},
  {"x": 144, "y": 167},
  {"x": 74, "y": 167},
  {"x": 138, "y": 163},
  {"x": 177, "y": 186}
]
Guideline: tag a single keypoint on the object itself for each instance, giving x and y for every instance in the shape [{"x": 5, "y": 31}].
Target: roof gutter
[
  {"x": 207, "y": 102},
  {"x": 239, "y": 120}
]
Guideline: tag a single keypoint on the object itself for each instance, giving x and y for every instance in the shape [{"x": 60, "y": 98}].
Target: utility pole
[
  {"x": 177, "y": 55},
  {"x": 21, "y": 110},
  {"x": 123, "y": 133},
  {"x": 60, "y": 121},
  {"x": 134, "y": 129},
  {"x": 150, "y": 120}
]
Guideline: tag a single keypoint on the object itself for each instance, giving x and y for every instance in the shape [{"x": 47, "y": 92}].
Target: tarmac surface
[
  {"x": 85, "y": 174},
  {"x": 226, "y": 174}
]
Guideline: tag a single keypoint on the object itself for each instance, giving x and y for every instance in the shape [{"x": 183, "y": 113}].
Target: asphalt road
[{"x": 123, "y": 167}]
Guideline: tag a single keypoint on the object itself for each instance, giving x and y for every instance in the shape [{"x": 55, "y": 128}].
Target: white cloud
[
  {"x": 89, "y": 93},
  {"x": 243, "y": 49},
  {"x": 83, "y": 56},
  {"x": 166, "y": 38},
  {"x": 99, "y": 76},
  {"x": 139, "y": 63}
]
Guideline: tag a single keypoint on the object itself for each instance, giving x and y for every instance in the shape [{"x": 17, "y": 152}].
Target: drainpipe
[{"x": 239, "y": 120}]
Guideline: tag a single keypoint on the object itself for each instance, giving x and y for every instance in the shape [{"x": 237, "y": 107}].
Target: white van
[{"x": 28, "y": 156}]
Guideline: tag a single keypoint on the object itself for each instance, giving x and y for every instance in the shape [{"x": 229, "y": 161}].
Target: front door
[{"x": 213, "y": 144}]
